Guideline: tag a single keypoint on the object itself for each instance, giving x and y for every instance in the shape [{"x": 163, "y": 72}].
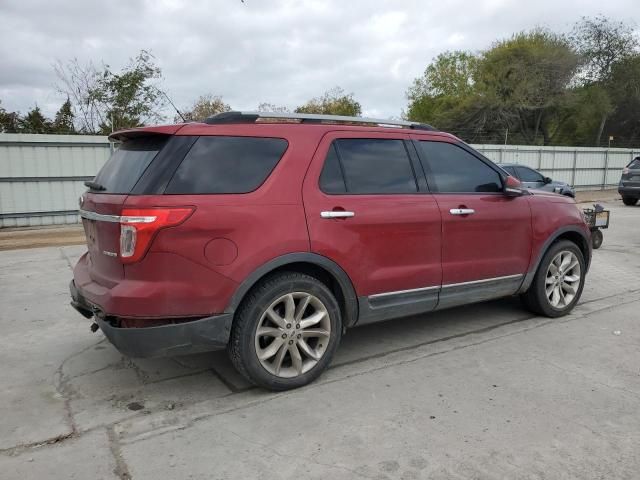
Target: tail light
[
  {"x": 625, "y": 170},
  {"x": 138, "y": 227}
]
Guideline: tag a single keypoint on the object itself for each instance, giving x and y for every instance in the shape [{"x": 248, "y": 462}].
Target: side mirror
[
  {"x": 512, "y": 187},
  {"x": 547, "y": 180}
]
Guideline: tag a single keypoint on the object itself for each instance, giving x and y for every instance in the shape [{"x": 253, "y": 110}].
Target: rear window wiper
[{"x": 95, "y": 186}]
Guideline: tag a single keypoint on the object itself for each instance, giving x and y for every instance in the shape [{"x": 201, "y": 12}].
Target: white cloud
[{"x": 283, "y": 52}]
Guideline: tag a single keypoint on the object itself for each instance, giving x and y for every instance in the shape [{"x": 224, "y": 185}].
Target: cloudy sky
[{"x": 280, "y": 51}]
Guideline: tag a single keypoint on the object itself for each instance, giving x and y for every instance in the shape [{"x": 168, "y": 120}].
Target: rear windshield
[
  {"x": 220, "y": 164},
  {"x": 128, "y": 162},
  {"x": 635, "y": 164}
]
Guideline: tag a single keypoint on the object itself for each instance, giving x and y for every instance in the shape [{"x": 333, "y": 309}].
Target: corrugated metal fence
[
  {"x": 41, "y": 176},
  {"x": 584, "y": 168}
]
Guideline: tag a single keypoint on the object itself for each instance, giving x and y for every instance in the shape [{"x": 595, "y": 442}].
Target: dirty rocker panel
[{"x": 387, "y": 305}]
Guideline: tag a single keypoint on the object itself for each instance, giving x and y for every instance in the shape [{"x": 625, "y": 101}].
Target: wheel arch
[
  {"x": 573, "y": 234},
  {"x": 318, "y": 266}
]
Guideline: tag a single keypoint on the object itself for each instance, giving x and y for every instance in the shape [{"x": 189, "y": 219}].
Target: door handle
[
  {"x": 337, "y": 214},
  {"x": 462, "y": 211}
]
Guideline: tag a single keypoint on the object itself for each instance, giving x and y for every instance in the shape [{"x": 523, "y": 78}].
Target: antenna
[{"x": 173, "y": 105}]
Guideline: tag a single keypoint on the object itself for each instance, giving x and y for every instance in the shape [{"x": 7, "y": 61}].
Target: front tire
[
  {"x": 558, "y": 283},
  {"x": 630, "y": 201},
  {"x": 285, "y": 332},
  {"x": 596, "y": 239}
]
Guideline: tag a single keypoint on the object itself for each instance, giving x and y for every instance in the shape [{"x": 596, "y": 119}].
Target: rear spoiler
[{"x": 122, "y": 135}]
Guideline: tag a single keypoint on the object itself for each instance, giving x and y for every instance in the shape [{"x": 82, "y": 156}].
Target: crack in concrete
[
  {"x": 141, "y": 375},
  {"x": 276, "y": 396},
  {"x": 18, "y": 449},
  {"x": 121, "y": 470},
  {"x": 65, "y": 390}
]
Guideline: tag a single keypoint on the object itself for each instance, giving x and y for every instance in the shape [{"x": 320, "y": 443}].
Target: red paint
[
  {"x": 395, "y": 242},
  {"x": 392, "y": 243}
]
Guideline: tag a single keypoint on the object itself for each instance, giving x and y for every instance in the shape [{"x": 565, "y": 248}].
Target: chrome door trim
[
  {"x": 484, "y": 280},
  {"x": 449, "y": 285},
  {"x": 402, "y": 303},
  {"x": 402, "y": 292}
]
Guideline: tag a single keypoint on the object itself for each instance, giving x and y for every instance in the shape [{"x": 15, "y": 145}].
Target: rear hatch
[
  {"x": 101, "y": 205},
  {"x": 631, "y": 174}
]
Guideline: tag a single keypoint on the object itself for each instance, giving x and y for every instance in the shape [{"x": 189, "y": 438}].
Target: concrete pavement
[{"x": 484, "y": 391}]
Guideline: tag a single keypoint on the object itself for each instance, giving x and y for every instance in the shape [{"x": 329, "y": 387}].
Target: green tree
[
  {"x": 63, "y": 121},
  {"x": 450, "y": 74},
  {"x": 441, "y": 95},
  {"x": 624, "y": 121},
  {"x": 333, "y": 102},
  {"x": 602, "y": 43},
  {"x": 203, "y": 107},
  {"x": 35, "y": 122},
  {"x": 519, "y": 85},
  {"x": 130, "y": 98},
  {"x": 527, "y": 77},
  {"x": 9, "y": 121},
  {"x": 104, "y": 100}
]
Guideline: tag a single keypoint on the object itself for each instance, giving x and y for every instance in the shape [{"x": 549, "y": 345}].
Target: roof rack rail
[{"x": 277, "y": 117}]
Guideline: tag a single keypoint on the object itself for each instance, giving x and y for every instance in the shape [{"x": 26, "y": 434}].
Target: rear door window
[
  {"x": 128, "y": 163},
  {"x": 217, "y": 164},
  {"x": 371, "y": 166},
  {"x": 454, "y": 170}
]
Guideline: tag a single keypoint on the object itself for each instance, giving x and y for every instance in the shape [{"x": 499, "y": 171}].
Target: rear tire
[
  {"x": 286, "y": 331},
  {"x": 558, "y": 282},
  {"x": 631, "y": 201}
]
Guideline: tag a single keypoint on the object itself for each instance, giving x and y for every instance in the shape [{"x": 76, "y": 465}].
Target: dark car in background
[
  {"x": 531, "y": 178},
  {"x": 629, "y": 186}
]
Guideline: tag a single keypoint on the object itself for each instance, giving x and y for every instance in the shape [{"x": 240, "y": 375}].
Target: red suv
[{"x": 271, "y": 234}]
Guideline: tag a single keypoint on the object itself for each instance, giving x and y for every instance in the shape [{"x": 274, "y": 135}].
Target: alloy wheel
[
  {"x": 563, "y": 279},
  {"x": 293, "y": 334}
]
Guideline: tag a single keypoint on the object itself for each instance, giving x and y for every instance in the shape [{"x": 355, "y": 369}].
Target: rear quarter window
[
  {"x": 218, "y": 164},
  {"x": 127, "y": 164}
]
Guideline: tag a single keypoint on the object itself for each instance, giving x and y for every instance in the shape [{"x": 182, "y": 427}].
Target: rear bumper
[
  {"x": 629, "y": 190},
  {"x": 186, "y": 337}
]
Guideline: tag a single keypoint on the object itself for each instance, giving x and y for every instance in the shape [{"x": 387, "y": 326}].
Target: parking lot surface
[{"x": 482, "y": 391}]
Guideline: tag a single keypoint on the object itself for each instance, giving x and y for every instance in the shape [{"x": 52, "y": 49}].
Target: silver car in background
[{"x": 531, "y": 178}]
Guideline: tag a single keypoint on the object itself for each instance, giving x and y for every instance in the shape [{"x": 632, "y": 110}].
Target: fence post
[
  {"x": 606, "y": 167},
  {"x": 575, "y": 164},
  {"x": 539, "y": 158}
]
